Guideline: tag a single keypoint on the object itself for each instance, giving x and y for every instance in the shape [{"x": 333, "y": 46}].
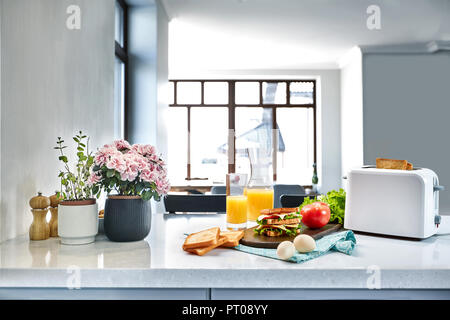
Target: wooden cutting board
[{"x": 254, "y": 240}]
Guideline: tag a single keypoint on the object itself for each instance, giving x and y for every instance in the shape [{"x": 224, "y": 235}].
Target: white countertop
[{"x": 159, "y": 262}]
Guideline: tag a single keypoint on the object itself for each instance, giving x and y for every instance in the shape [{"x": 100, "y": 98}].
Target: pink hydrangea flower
[
  {"x": 148, "y": 176},
  {"x": 138, "y": 148},
  {"x": 122, "y": 145},
  {"x": 149, "y": 149},
  {"x": 117, "y": 162},
  {"x": 93, "y": 178}
]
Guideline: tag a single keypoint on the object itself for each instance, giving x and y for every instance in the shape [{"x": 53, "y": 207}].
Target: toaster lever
[{"x": 438, "y": 188}]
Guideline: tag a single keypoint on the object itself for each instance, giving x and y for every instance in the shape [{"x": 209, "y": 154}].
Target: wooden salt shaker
[
  {"x": 54, "y": 202},
  {"x": 39, "y": 229}
]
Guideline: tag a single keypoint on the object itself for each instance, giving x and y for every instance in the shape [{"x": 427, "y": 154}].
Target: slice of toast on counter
[
  {"x": 204, "y": 250},
  {"x": 395, "y": 164},
  {"x": 232, "y": 238},
  {"x": 201, "y": 239}
]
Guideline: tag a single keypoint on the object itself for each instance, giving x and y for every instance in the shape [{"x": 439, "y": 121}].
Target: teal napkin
[{"x": 343, "y": 241}]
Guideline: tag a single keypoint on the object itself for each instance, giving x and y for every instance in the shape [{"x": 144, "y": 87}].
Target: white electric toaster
[{"x": 401, "y": 203}]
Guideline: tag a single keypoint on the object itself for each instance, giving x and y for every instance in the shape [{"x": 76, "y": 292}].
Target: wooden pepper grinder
[
  {"x": 39, "y": 229},
  {"x": 54, "y": 202}
]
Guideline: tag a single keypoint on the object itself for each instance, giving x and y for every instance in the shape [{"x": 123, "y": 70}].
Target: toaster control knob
[
  {"x": 437, "y": 220},
  {"x": 438, "y": 188}
]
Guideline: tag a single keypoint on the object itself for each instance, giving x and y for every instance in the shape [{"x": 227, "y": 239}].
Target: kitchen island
[{"x": 157, "y": 268}]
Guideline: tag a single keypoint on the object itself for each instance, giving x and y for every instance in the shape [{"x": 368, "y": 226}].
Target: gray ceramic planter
[{"x": 127, "y": 218}]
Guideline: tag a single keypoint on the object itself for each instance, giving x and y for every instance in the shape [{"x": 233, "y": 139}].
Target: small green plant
[{"x": 74, "y": 184}]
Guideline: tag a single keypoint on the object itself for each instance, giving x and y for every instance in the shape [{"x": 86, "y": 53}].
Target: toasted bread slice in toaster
[{"x": 383, "y": 163}]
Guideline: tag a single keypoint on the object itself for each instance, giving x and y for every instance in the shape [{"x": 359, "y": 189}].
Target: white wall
[
  {"x": 407, "y": 111},
  {"x": 328, "y": 99},
  {"x": 55, "y": 81},
  {"x": 351, "y": 111}
]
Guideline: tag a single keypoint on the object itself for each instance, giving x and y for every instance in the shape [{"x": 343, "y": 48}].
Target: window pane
[
  {"x": 209, "y": 132},
  {"x": 295, "y": 154},
  {"x": 216, "y": 92},
  {"x": 119, "y": 98},
  {"x": 301, "y": 92},
  {"x": 188, "y": 93},
  {"x": 253, "y": 130},
  {"x": 171, "y": 93},
  {"x": 274, "y": 92},
  {"x": 177, "y": 148},
  {"x": 119, "y": 24},
  {"x": 247, "y": 92}
]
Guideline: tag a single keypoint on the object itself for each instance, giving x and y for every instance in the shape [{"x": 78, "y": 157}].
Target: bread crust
[
  {"x": 282, "y": 222},
  {"x": 271, "y": 233},
  {"x": 278, "y": 210},
  {"x": 204, "y": 250}
]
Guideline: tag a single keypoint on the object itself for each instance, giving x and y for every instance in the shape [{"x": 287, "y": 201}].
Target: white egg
[
  {"x": 304, "y": 243},
  {"x": 285, "y": 250}
]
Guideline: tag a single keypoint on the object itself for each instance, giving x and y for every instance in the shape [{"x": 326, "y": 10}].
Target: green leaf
[
  {"x": 63, "y": 159},
  {"x": 110, "y": 173},
  {"x": 146, "y": 195}
]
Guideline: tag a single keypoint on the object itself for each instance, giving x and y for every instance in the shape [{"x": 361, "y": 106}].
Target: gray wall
[
  {"x": 407, "y": 111},
  {"x": 54, "y": 81},
  {"x": 148, "y": 77}
]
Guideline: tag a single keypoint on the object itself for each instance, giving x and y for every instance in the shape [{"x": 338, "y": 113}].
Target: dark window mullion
[
  {"x": 121, "y": 53},
  {"x": 232, "y": 123},
  {"x": 188, "y": 173}
]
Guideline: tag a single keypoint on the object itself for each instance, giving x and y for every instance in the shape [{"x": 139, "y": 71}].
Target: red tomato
[{"x": 315, "y": 215}]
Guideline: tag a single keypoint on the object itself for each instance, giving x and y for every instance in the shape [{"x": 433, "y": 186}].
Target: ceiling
[{"x": 291, "y": 34}]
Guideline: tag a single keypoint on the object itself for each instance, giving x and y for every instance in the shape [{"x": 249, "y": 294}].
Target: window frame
[
  {"x": 232, "y": 105},
  {"x": 121, "y": 52}
]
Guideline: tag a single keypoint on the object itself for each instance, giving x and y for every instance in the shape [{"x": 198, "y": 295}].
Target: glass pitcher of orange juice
[{"x": 259, "y": 190}]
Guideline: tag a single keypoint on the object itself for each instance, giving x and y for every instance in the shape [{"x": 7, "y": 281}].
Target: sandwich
[{"x": 278, "y": 222}]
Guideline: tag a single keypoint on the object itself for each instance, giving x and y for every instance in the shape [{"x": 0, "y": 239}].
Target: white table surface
[{"x": 159, "y": 262}]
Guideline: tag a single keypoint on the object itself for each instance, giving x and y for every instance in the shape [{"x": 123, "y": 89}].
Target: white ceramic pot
[{"x": 77, "y": 222}]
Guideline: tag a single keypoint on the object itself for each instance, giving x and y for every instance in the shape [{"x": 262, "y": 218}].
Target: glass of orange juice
[{"x": 236, "y": 201}]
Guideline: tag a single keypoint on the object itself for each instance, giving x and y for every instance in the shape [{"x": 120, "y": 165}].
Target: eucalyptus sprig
[{"x": 74, "y": 184}]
